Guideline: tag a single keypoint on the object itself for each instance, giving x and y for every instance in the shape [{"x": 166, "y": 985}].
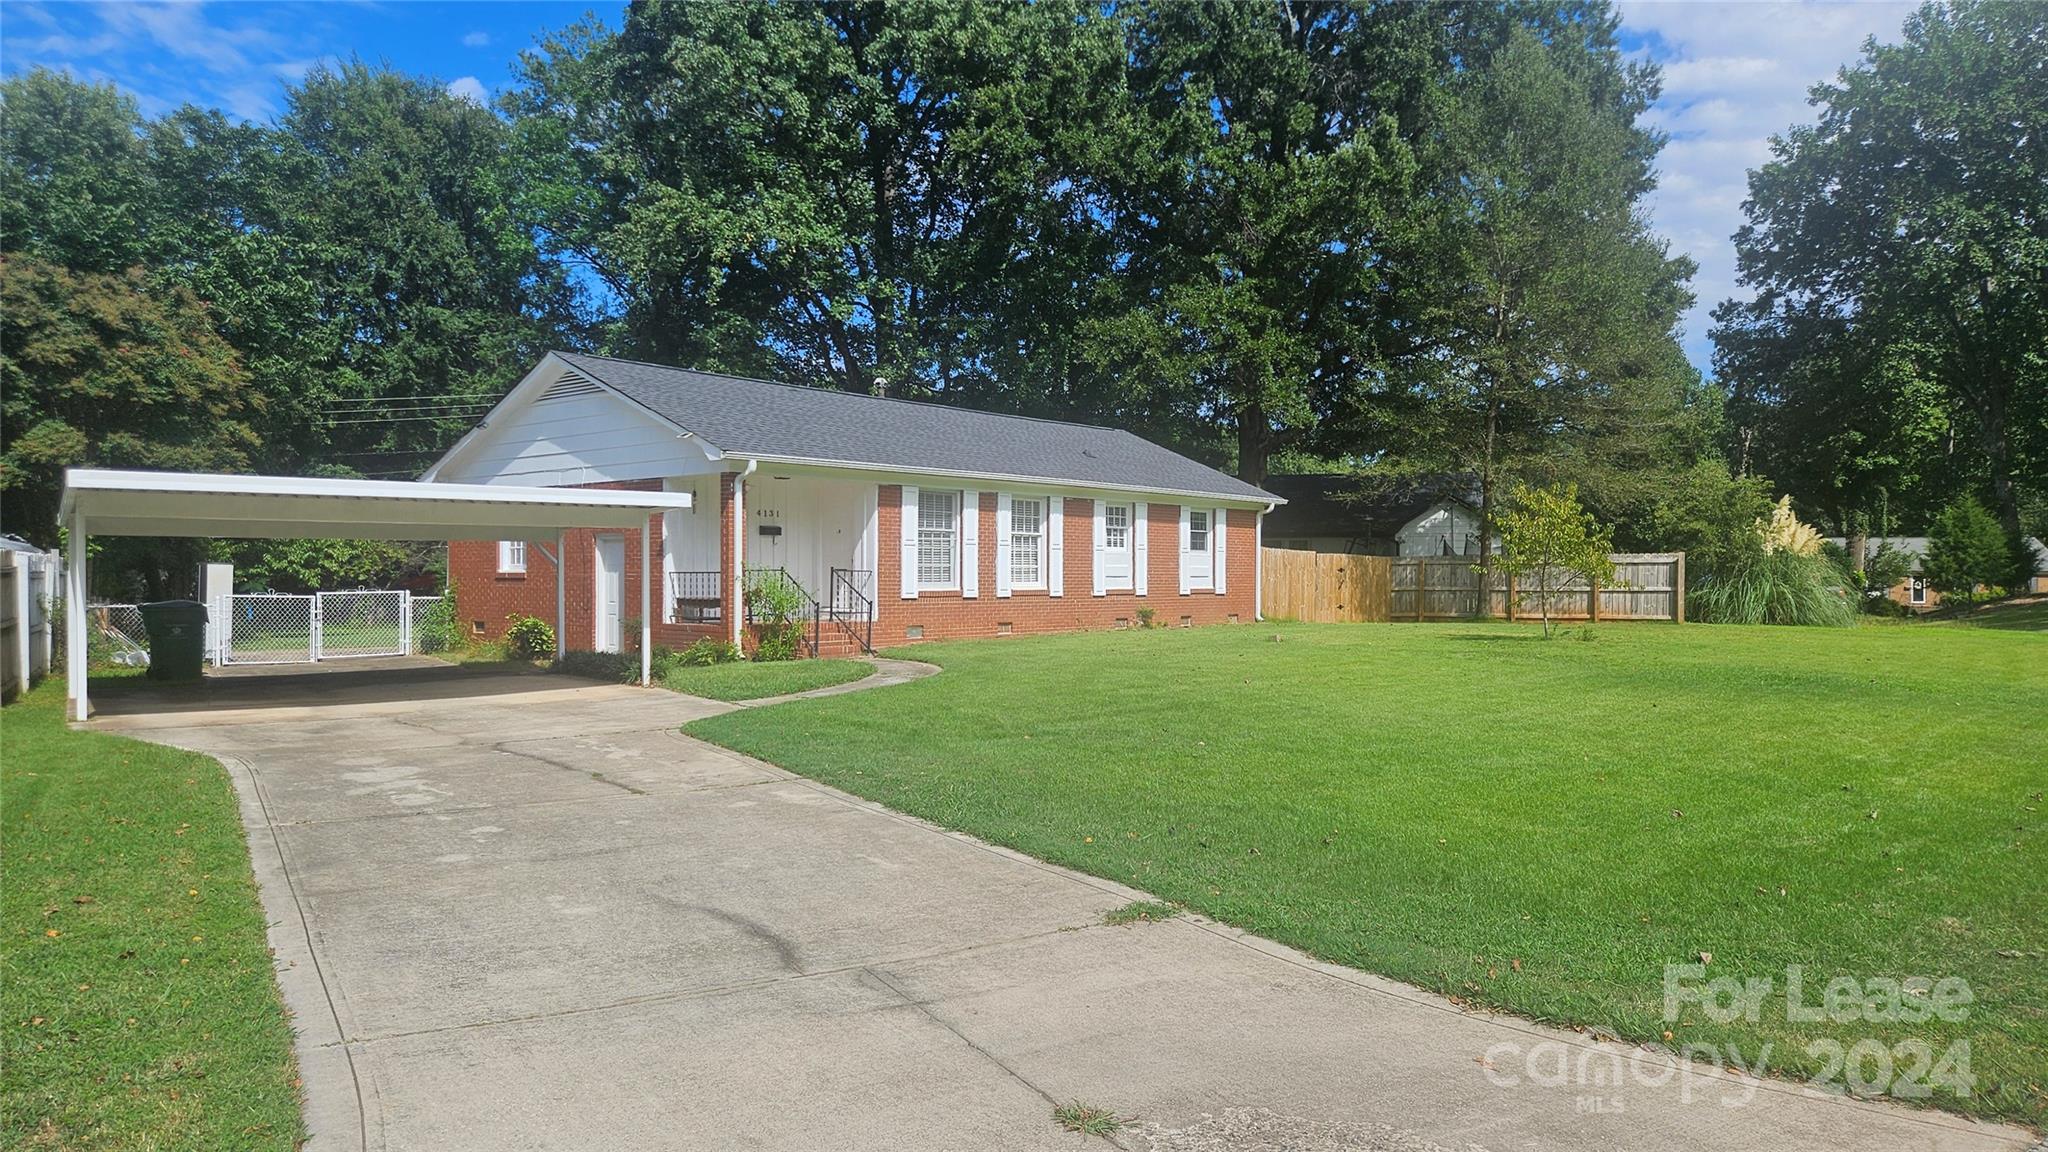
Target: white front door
[
  {"x": 1116, "y": 545},
  {"x": 610, "y": 593}
]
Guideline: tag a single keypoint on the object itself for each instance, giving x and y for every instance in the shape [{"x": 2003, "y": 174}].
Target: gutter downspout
[
  {"x": 739, "y": 552},
  {"x": 1259, "y": 565}
]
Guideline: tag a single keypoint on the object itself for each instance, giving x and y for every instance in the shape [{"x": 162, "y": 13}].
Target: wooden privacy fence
[{"x": 1330, "y": 587}]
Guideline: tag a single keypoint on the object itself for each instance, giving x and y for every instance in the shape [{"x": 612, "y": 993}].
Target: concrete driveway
[{"x": 523, "y": 912}]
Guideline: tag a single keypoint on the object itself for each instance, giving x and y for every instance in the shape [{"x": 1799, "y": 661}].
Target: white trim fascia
[
  {"x": 86, "y": 480},
  {"x": 888, "y": 473},
  {"x": 543, "y": 376}
]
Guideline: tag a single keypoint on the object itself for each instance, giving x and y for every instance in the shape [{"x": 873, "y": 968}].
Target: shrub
[
  {"x": 434, "y": 630},
  {"x": 1712, "y": 517},
  {"x": 777, "y": 606},
  {"x": 1145, "y": 616},
  {"x": 708, "y": 651},
  {"x": 529, "y": 637},
  {"x": 1966, "y": 549}
]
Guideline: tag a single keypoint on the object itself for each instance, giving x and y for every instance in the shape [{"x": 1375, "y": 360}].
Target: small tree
[
  {"x": 1966, "y": 548},
  {"x": 1545, "y": 531}
]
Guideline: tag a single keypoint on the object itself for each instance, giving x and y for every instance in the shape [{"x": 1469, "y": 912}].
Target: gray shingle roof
[{"x": 749, "y": 418}]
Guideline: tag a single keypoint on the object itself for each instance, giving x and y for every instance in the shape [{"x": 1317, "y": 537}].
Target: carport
[{"x": 107, "y": 502}]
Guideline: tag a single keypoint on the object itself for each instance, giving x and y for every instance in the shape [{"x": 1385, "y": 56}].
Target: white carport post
[
  {"x": 74, "y": 616},
  {"x": 561, "y": 559},
  {"x": 646, "y": 606}
]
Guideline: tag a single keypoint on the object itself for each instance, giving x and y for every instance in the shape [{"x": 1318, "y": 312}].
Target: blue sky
[{"x": 1733, "y": 74}]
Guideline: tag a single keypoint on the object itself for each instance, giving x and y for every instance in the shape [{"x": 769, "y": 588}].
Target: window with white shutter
[
  {"x": 938, "y": 539},
  {"x": 1027, "y": 543}
]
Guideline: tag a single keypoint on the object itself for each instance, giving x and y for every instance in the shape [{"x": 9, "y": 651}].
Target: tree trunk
[
  {"x": 1486, "y": 484},
  {"x": 1254, "y": 442}
]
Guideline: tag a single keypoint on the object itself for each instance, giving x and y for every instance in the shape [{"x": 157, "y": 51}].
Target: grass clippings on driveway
[
  {"x": 136, "y": 991},
  {"x": 1535, "y": 826}
]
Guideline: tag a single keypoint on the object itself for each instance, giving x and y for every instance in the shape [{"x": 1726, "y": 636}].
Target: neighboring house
[
  {"x": 1914, "y": 592},
  {"x": 923, "y": 520},
  {"x": 1431, "y": 516}
]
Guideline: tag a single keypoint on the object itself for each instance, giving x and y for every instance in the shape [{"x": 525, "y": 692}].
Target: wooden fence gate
[
  {"x": 1329, "y": 587},
  {"x": 1325, "y": 587}
]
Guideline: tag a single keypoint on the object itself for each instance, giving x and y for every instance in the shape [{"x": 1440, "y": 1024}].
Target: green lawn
[
  {"x": 1536, "y": 826},
  {"x": 749, "y": 681},
  {"x": 136, "y": 991}
]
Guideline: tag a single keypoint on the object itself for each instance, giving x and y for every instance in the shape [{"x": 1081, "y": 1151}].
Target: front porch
[{"x": 801, "y": 547}]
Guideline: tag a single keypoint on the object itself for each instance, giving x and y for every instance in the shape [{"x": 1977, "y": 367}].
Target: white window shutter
[
  {"x": 1219, "y": 531},
  {"x": 1055, "y": 545},
  {"x": 1099, "y": 589},
  {"x": 1140, "y": 554},
  {"x": 970, "y": 544},
  {"x": 1186, "y": 547},
  {"x": 1003, "y": 544},
  {"x": 909, "y": 522}
]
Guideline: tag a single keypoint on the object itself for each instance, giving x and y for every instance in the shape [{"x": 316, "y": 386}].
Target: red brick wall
[
  {"x": 949, "y": 615},
  {"x": 484, "y": 595}
]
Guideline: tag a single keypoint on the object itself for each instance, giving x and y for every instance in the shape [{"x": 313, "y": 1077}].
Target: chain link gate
[
  {"x": 361, "y": 624},
  {"x": 276, "y": 628},
  {"x": 267, "y": 628}
]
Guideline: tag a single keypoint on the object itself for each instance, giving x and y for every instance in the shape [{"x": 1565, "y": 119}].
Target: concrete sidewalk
[{"x": 533, "y": 915}]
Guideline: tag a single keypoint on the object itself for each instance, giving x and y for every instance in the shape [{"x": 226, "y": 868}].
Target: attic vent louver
[{"x": 570, "y": 385}]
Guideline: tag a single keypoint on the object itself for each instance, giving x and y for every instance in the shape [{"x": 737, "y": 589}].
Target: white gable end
[{"x": 573, "y": 431}]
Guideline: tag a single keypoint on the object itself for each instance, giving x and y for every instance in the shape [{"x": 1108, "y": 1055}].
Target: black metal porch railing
[
  {"x": 757, "y": 613},
  {"x": 697, "y": 596},
  {"x": 852, "y": 605}
]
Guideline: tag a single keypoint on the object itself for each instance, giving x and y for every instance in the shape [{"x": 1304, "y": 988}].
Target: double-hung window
[
  {"x": 1198, "y": 530},
  {"x": 1116, "y": 527},
  {"x": 1027, "y": 543},
  {"x": 512, "y": 557},
  {"x": 938, "y": 539}
]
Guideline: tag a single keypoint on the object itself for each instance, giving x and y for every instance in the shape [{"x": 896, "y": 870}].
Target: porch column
[
  {"x": 737, "y": 555},
  {"x": 646, "y": 605},
  {"x": 74, "y": 617},
  {"x": 561, "y": 559}
]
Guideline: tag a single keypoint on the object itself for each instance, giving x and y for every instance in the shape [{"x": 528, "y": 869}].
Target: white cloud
[
  {"x": 469, "y": 88},
  {"x": 476, "y": 39},
  {"x": 1734, "y": 75}
]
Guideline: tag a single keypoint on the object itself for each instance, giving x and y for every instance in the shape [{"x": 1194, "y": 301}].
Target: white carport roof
[
  {"x": 107, "y": 502},
  {"x": 122, "y": 503}
]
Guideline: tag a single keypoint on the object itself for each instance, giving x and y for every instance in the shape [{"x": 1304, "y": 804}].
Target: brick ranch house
[{"x": 898, "y": 520}]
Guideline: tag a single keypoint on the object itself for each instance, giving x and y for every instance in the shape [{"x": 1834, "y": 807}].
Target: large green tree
[
  {"x": 1897, "y": 248},
  {"x": 838, "y": 193},
  {"x": 106, "y": 369},
  {"x": 75, "y": 186},
  {"x": 1536, "y": 312},
  {"x": 432, "y": 295},
  {"x": 1261, "y": 166}
]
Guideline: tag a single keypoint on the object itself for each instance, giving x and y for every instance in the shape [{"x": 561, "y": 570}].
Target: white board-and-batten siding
[{"x": 581, "y": 438}]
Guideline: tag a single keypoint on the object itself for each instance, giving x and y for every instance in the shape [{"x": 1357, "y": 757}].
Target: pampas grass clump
[{"x": 1778, "y": 587}]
